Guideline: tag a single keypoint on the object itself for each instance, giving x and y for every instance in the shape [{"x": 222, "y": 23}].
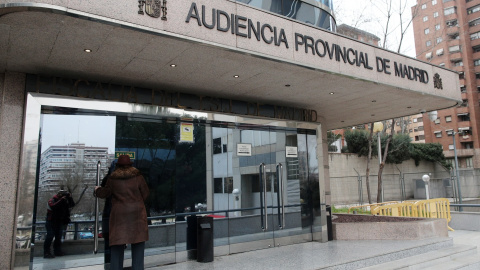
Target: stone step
[
  {"x": 454, "y": 257},
  {"x": 431, "y": 244},
  {"x": 462, "y": 263}
]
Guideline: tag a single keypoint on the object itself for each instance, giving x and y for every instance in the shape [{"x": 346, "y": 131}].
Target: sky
[
  {"x": 68, "y": 129},
  {"x": 369, "y": 15}
]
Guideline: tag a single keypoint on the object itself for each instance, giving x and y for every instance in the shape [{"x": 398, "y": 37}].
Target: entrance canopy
[{"x": 221, "y": 49}]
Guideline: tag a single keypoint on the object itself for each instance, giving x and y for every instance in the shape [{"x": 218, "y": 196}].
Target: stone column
[{"x": 12, "y": 102}]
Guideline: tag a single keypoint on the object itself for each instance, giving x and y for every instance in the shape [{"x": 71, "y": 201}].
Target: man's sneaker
[
  {"x": 48, "y": 256},
  {"x": 60, "y": 253}
]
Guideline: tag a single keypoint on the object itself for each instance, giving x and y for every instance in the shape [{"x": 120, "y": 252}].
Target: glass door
[
  {"x": 262, "y": 182},
  {"x": 259, "y": 183},
  {"x": 150, "y": 141},
  {"x": 297, "y": 169},
  {"x": 71, "y": 146},
  {"x": 253, "y": 166}
]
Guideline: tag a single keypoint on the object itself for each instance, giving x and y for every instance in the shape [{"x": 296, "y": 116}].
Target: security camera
[{"x": 423, "y": 111}]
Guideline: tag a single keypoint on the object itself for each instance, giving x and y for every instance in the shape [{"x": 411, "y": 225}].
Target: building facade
[
  {"x": 224, "y": 105},
  {"x": 75, "y": 162},
  {"x": 446, "y": 34}
]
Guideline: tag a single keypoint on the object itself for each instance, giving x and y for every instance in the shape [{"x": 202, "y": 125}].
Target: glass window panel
[
  {"x": 217, "y": 146},
  {"x": 217, "y": 185}
]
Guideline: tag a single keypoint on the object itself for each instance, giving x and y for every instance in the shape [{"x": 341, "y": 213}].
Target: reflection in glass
[
  {"x": 299, "y": 10},
  {"x": 181, "y": 186},
  {"x": 190, "y": 186},
  {"x": 152, "y": 143},
  {"x": 309, "y": 14},
  {"x": 70, "y": 149}
]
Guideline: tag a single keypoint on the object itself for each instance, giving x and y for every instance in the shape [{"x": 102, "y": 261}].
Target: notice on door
[
  {"x": 186, "y": 132},
  {"x": 291, "y": 151},
  {"x": 244, "y": 149}
]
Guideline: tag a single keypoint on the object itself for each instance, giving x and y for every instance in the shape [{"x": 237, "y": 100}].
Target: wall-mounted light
[
  {"x": 87, "y": 50},
  {"x": 236, "y": 76},
  {"x": 331, "y": 93},
  {"x": 173, "y": 65}
]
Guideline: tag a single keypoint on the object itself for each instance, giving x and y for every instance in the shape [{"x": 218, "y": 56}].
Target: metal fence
[{"x": 401, "y": 186}]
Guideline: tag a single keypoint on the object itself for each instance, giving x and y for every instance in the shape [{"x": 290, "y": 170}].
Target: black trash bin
[
  {"x": 204, "y": 239},
  {"x": 329, "y": 223}
]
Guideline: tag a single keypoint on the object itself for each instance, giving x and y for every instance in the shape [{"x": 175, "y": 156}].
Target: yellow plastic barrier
[
  {"x": 372, "y": 206},
  {"x": 405, "y": 209},
  {"x": 433, "y": 208}
]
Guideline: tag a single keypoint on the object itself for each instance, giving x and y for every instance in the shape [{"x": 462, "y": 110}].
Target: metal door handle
[
  {"x": 265, "y": 196},
  {"x": 263, "y": 201},
  {"x": 260, "y": 171},
  {"x": 280, "y": 198},
  {"x": 95, "y": 236}
]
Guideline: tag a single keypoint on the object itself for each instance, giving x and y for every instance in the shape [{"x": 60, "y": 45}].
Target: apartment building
[
  {"x": 74, "y": 162},
  {"x": 447, "y": 34}
]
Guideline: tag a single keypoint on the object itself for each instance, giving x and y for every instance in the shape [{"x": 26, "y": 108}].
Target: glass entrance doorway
[
  {"x": 260, "y": 183},
  {"x": 263, "y": 178}
]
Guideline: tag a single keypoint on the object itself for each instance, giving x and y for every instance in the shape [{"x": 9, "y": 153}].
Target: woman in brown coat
[{"x": 128, "y": 219}]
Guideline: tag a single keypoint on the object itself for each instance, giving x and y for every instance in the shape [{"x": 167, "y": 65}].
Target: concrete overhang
[{"x": 49, "y": 38}]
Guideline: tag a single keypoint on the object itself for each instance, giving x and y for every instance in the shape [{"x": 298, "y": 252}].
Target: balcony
[
  {"x": 452, "y": 30},
  {"x": 472, "y": 16},
  {"x": 460, "y": 153},
  {"x": 462, "y": 110},
  {"x": 475, "y": 42},
  {"x": 473, "y": 29},
  {"x": 465, "y": 138},
  {"x": 455, "y": 56}
]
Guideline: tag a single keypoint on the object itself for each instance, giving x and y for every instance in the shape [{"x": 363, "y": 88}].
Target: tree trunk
[
  {"x": 382, "y": 164},
  {"x": 367, "y": 178},
  {"x": 81, "y": 195}
]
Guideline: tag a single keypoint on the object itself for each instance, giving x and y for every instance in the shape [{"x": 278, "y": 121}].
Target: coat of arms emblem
[
  {"x": 153, "y": 8},
  {"x": 437, "y": 81}
]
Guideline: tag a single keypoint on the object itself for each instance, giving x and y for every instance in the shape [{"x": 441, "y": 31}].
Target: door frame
[{"x": 31, "y": 128}]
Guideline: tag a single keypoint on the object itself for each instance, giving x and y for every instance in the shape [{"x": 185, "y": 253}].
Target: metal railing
[{"x": 77, "y": 227}]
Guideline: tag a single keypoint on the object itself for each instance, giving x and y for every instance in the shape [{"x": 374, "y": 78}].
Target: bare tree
[
  {"x": 358, "y": 19},
  {"x": 382, "y": 164},
  {"x": 391, "y": 17},
  {"x": 394, "y": 22},
  {"x": 403, "y": 26},
  {"x": 74, "y": 180},
  {"x": 367, "y": 177}
]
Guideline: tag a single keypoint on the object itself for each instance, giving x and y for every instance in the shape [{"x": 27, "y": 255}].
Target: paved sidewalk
[
  {"x": 471, "y": 238},
  {"x": 332, "y": 255},
  {"x": 345, "y": 255}
]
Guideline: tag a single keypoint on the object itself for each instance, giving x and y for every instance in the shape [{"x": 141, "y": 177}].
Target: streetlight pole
[
  {"x": 456, "y": 171},
  {"x": 426, "y": 179}
]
